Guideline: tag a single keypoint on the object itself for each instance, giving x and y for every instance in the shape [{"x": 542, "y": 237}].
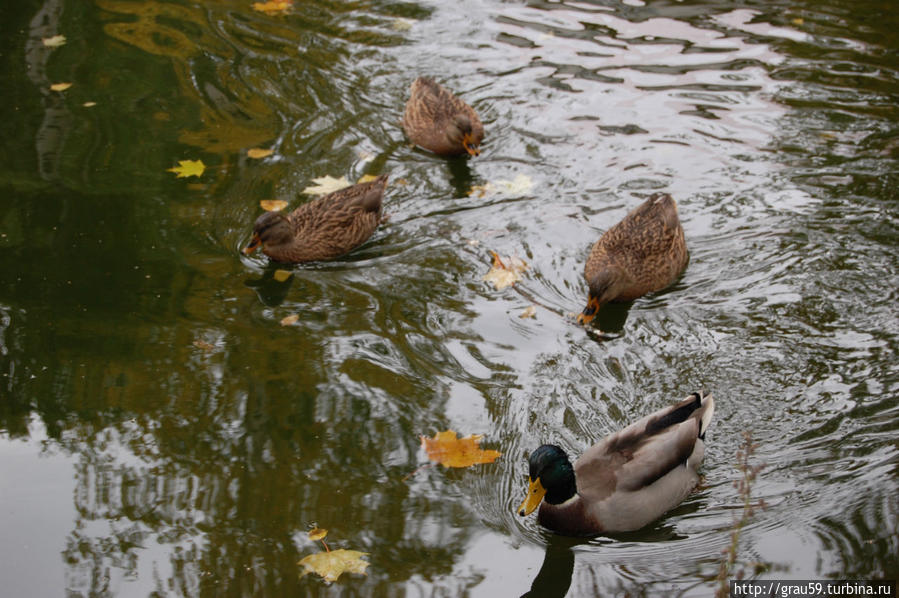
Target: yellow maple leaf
[
  {"x": 505, "y": 273},
  {"x": 449, "y": 450},
  {"x": 258, "y": 152},
  {"x": 326, "y": 184},
  {"x": 331, "y": 565},
  {"x": 273, "y": 205},
  {"x": 54, "y": 41},
  {"x": 281, "y": 275},
  {"x": 273, "y": 7},
  {"x": 60, "y": 86},
  {"x": 187, "y": 168}
]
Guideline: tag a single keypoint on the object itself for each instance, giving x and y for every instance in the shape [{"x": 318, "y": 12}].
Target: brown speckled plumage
[
  {"x": 438, "y": 121},
  {"x": 322, "y": 229},
  {"x": 643, "y": 253}
]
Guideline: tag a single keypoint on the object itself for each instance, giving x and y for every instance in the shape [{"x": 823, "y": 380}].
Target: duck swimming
[{"x": 322, "y": 229}]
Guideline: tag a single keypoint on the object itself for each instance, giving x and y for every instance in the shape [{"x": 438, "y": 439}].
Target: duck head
[
  {"x": 551, "y": 478},
  {"x": 271, "y": 228},
  {"x": 604, "y": 287},
  {"x": 460, "y": 132}
]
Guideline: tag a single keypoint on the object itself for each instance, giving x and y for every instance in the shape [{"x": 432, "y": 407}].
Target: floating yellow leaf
[
  {"x": 798, "y": 21},
  {"x": 281, "y": 275},
  {"x": 520, "y": 185},
  {"x": 529, "y": 312},
  {"x": 505, "y": 273},
  {"x": 187, "y": 168},
  {"x": 450, "y": 451},
  {"x": 290, "y": 321},
  {"x": 366, "y": 178},
  {"x": 326, "y": 184},
  {"x": 273, "y": 7},
  {"x": 55, "y": 41},
  {"x": 273, "y": 205},
  {"x": 60, "y": 86},
  {"x": 317, "y": 533},
  {"x": 89, "y": 104},
  {"x": 258, "y": 152},
  {"x": 331, "y": 565}
]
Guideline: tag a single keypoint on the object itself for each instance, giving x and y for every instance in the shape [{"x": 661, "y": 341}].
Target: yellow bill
[{"x": 535, "y": 495}]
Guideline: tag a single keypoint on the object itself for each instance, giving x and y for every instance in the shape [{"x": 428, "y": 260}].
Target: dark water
[{"x": 163, "y": 434}]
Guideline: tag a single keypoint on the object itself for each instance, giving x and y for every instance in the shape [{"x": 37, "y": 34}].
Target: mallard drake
[
  {"x": 322, "y": 229},
  {"x": 438, "y": 121},
  {"x": 643, "y": 253},
  {"x": 628, "y": 479}
]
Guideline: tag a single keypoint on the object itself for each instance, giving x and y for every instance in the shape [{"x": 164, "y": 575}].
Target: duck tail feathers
[{"x": 708, "y": 411}]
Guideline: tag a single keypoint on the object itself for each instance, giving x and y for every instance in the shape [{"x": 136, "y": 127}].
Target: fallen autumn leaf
[
  {"x": 188, "y": 168},
  {"x": 326, "y": 184},
  {"x": 449, "y": 450},
  {"x": 331, "y": 565},
  {"x": 273, "y": 205},
  {"x": 54, "y": 41},
  {"x": 273, "y": 7},
  {"x": 258, "y": 152},
  {"x": 505, "y": 273},
  {"x": 281, "y": 275}
]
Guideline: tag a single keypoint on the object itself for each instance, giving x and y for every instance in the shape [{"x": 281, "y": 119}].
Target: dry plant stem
[
  {"x": 409, "y": 475},
  {"x": 744, "y": 487},
  {"x": 325, "y": 545}
]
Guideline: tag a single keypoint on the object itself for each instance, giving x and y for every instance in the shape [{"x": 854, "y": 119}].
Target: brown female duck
[
  {"x": 438, "y": 121},
  {"x": 643, "y": 253},
  {"x": 322, "y": 229},
  {"x": 628, "y": 479}
]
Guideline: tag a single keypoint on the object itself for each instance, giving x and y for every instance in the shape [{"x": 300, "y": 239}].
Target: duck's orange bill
[
  {"x": 470, "y": 146},
  {"x": 254, "y": 243},
  {"x": 586, "y": 316},
  {"x": 536, "y": 492}
]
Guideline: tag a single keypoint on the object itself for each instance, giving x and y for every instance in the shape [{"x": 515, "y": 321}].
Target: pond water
[{"x": 163, "y": 433}]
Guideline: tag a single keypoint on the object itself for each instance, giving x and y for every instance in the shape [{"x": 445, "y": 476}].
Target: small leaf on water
[
  {"x": 331, "y": 565},
  {"x": 281, "y": 275},
  {"x": 290, "y": 321},
  {"x": 366, "y": 178},
  {"x": 258, "y": 152},
  {"x": 505, "y": 273},
  {"x": 326, "y": 184},
  {"x": 89, "y": 104},
  {"x": 529, "y": 312},
  {"x": 273, "y": 7},
  {"x": 451, "y": 451},
  {"x": 273, "y": 205},
  {"x": 798, "y": 21},
  {"x": 187, "y": 168},
  {"x": 54, "y": 41},
  {"x": 60, "y": 86},
  {"x": 520, "y": 185},
  {"x": 201, "y": 344},
  {"x": 317, "y": 533}
]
